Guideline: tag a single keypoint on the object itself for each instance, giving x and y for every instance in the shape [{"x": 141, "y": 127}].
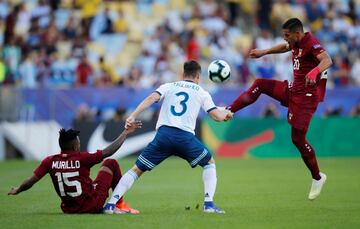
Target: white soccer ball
[{"x": 219, "y": 71}]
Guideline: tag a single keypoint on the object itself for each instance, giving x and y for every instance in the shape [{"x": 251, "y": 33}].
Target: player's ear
[
  {"x": 76, "y": 146},
  {"x": 197, "y": 78},
  {"x": 73, "y": 148}
]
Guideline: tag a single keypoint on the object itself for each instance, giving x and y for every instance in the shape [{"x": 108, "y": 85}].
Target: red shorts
[
  {"x": 300, "y": 107},
  {"x": 94, "y": 200}
]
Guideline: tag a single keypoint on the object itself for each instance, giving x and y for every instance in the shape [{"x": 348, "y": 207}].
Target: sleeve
[
  {"x": 43, "y": 168},
  {"x": 208, "y": 104},
  {"x": 316, "y": 48},
  {"x": 91, "y": 159},
  {"x": 162, "y": 90}
]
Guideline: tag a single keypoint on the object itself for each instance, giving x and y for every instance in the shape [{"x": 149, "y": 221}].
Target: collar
[
  {"x": 304, "y": 40},
  {"x": 67, "y": 152}
]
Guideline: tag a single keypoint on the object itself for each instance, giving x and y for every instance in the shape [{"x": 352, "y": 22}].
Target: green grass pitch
[{"x": 255, "y": 193}]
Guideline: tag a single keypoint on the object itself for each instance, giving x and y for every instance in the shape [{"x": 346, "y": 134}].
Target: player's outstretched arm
[
  {"x": 27, "y": 184},
  {"x": 117, "y": 143},
  {"x": 280, "y": 48},
  {"x": 221, "y": 114},
  {"x": 147, "y": 102}
]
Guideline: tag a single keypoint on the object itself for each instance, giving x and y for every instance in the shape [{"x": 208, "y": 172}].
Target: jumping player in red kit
[
  {"x": 302, "y": 96},
  {"x": 70, "y": 174}
]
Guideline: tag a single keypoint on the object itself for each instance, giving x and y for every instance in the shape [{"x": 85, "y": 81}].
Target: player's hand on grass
[
  {"x": 256, "y": 53},
  {"x": 14, "y": 191},
  {"x": 137, "y": 124}
]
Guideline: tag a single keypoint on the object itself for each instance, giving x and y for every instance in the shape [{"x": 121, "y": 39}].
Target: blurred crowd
[{"x": 143, "y": 43}]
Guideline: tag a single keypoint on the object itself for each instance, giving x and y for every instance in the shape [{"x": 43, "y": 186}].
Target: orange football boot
[{"x": 122, "y": 208}]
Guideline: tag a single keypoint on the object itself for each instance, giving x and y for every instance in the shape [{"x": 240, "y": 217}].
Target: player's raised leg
[
  {"x": 308, "y": 155},
  {"x": 272, "y": 88}
]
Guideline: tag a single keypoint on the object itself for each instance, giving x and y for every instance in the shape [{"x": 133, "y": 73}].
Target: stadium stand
[
  {"x": 43, "y": 41},
  {"x": 63, "y": 44}
]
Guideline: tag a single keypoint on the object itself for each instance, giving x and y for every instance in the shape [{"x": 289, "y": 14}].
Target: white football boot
[{"x": 316, "y": 187}]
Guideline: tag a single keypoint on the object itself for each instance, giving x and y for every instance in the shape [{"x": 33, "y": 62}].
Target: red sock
[
  {"x": 272, "y": 88},
  {"x": 306, "y": 150}
]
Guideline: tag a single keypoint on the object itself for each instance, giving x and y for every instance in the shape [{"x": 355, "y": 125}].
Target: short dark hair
[
  {"x": 293, "y": 24},
  {"x": 67, "y": 138},
  {"x": 191, "y": 68}
]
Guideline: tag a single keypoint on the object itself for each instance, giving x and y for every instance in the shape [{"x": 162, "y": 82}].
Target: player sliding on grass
[
  {"x": 182, "y": 101},
  {"x": 301, "y": 97},
  {"x": 70, "y": 172}
]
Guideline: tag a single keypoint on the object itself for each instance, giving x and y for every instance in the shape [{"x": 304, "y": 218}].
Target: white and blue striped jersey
[{"x": 182, "y": 101}]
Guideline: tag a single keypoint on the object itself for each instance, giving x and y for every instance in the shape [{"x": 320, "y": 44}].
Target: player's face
[{"x": 290, "y": 37}]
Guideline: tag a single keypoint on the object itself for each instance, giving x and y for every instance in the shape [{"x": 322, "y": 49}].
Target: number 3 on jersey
[{"x": 182, "y": 103}]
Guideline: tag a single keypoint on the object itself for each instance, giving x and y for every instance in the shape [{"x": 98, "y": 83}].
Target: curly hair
[{"x": 67, "y": 138}]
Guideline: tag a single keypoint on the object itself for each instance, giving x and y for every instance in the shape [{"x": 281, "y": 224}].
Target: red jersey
[
  {"x": 304, "y": 57},
  {"x": 70, "y": 174}
]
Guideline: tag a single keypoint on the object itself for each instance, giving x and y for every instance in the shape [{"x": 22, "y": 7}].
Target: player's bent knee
[
  {"x": 258, "y": 81},
  {"x": 111, "y": 164},
  {"x": 208, "y": 159},
  {"x": 136, "y": 170},
  {"x": 297, "y": 141},
  {"x": 210, "y": 163},
  {"x": 106, "y": 169}
]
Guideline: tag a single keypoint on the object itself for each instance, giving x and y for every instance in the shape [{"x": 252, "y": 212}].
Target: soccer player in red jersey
[
  {"x": 302, "y": 96},
  {"x": 70, "y": 173}
]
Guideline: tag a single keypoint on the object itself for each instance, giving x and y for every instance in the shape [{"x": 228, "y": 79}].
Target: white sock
[
  {"x": 209, "y": 179},
  {"x": 124, "y": 184}
]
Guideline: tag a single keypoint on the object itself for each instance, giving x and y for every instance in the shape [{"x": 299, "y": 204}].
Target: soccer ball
[{"x": 219, "y": 71}]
